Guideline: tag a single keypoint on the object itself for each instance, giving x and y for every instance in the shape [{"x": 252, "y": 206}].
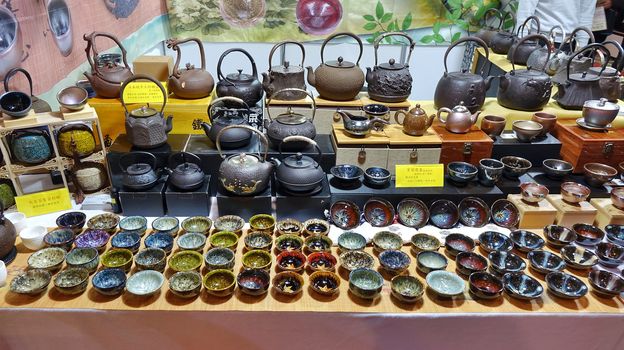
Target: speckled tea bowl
[
  {"x": 365, "y": 283},
  {"x": 231, "y": 223},
  {"x": 160, "y": 240},
  {"x": 31, "y": 282},
  {"x": 60, "y": 238},
  {"x": 220, "y": 282},
  {"x": 394, "y": 261},
  {"x": 93, "y": 239},
  {"x": 166, "y": 224},
  {"x": 87, "y": 258},
  {"x": 185, "y": 284},
  {"x": 109, "y": 281},
  {"x": 72, "y": 281},
  {"x": 258, "y": 240},
  {"x": 50, "y": 259},
  {"x": 386, "y": 240},
  {"x": 127, "y": 240},
  {"x": 424, "y": 242},
  {"x": 107, "y": 222},
  {"x": 407, "y": 289},
  {"x": 192, "y": 241},
  {"x": 197, "y": 224},
  {"x": 262, "y": 222},
  {"x": 257, "y": 259},
  {"x": 186, "y": 260},
  {"x": 351, "y": 240},
  {"x": 151, "y": 259},
  {"x": 74, "y": 220},
  {"x": 219, "y": 258},
  {"x": 145, "y": 283},
  {"x": 288, "y": 226},
  {"x": 318, "y": 243},
  {"x": 224, "y": 239},
  {"x": 315, "y": 227},
  {"x": 136, "y": 224},
  {"x": 118, "y": 259},
  {"x": 355, "y": 259}
]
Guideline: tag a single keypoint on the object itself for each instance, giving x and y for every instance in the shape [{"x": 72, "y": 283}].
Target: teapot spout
[
  {"x": 311, "y": 76},
  {"x": 345, "y": 116},
  {"x": 207, "y": 127},
  {"x": 488, "y": 81},
  {"x": 474, "y": 117},
  {"x": 266, "y": 83},
  {"x": 370, "y": 75},
  {"x": 169, "y": 124},
  {"x": 430, "y": 120},
  {"x": 89, "y": 78}
]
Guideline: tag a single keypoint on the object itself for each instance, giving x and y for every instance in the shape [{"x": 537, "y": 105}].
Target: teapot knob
[
  {"x": 240, "y": 71},
  {"x": 340, "y": 59},
  {"x": 286, "y": 65},
  {"x": 392, "y": 61}
]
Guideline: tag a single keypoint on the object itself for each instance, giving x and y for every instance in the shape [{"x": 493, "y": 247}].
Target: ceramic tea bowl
[
  {"x": 533, "y": 192},
  {"x": 490, "y": 171},
  {"x": 443, "y": 214},
  {"x": 609, "y": 254},
  {"x": 224, "y": 239},
  {"x": 597, "y": 174},
  {"x": 151, "y": 259},
  {"x": 186, "y": 260},
  {"x": 461, "y": 173},
  {"x": 318, "y": 243},
  {"x": 356, "y": 259},
  {"x": 288, "y": 226},
  {"x": 565, "y": 286},
  {"x": 558, "y": 236},
  {"x": 615, "y": 234},
  {"x": 258, "y": 240},
  {"x": 377, "y": 176},
  {"x": 445, "y": 284},
  {"x": 407, "y": 289},
  {"x": 185, "y": 284},
  {"x": 257, "y": 259},
  {"x": 31, "y": 282},
  {"x": 291, "y": 261},
  {"x": 220, "y": 282},
  {"x": 547, "y": 120},
  {"x": 219, "y": 259},
  {"x": 322, "y": 261},
  {"x": 32, "y": 237},
  {"x": 93, "y": 239},
  {"x": 197, "y": 224},
  {"x": 166, "y": 224},
  {"x": 485, "y": 285},
  {"x": 50, "y": 259},
  {"x": 545, "y": 262},
  {"x": 521, "y": 286},
  {"x": 72, "y": 281},
  {"x": 87, "y": 258},
  {"x": 231, "y": 223},
  {"x": 525, "y": 241},
  {"x": 351, "y": 240},
  {"x": 514, "y": 167},
  {"x": 504, "y": 262},
  {"x": 606, "y": 283},
  {"x": 527, "y": 130},
  {"x": 427, "y": 261},
  {"x": 365, "y": 283},
  {"x": 262, "y": 222},
  {"x": 118, "y": 259},
  {"x": 127, "y": 240},
  {"x": 192, "y": 241},
  {"x": 413, "y": 212},
  {"x": 60, "y": 238},
  {"x": 288, "y": 283},
  {"x": 456, "y": 243},
  {"x": 394, "y": 261},
  {"x": 107, "y": 222},
  {"x": 145, "y": 283},
  {"x": 136, "y": 224},
  {"x": 424, "y": 242},
  {"x": 346, "y": 173},
  {"x": 325, "y": 282},
  {"x": 386, "y": 240},
  {"x": 493, "y": 125},
  {"x": 557, "y": 169},
  {"x": 469, "y": 262},
  {"x": 73, "y": 98},
  {"x": 473, "y": 212},
  {"x": 315, "y": 227},
  {"x": 492, "y": 240},
  {"x": 253, "y": 281},
  {"x": 109, "y": 281},
  {"x": 578, "y": 257},
  {"x": 74, "y": 220},
  {"x": 588, "y": 235},
  {"x": 617, "y": 197},
  {"x": 288, "y": 242},
  {"x": 505, "y": 214},
  {"x": 574, "y": 193},
  {"x": 160, "y": 240}
]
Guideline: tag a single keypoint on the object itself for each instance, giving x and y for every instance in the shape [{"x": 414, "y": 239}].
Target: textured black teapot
[
  {"x": 139, "y": 170},
  {"x": 290, "y": 123},
  {"x": 521, "y": 50},
  {"x": 235, "y": 137},
  {"x": 610, "y": 77},
  {"x": 501, "y": 42},
  {"x": 285, "y": 76},
  {"x": 247, "y": 87},
  {"x": 299, "y": 173},
  {"x": 487, "y": 32},
  {"x": 185, "y": 171},
  {"x": 392, "y": 81}
]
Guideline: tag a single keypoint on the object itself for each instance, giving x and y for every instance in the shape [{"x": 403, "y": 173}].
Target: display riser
[
  {"x": 554, "y": 186},
  {"x": 301, "y": 207},
  {"x": 145, "y": 203},
  {"x": 243, "y": 206},
  {"x": 197, "y": 202},
  {"x": 328, "y": 154},
  {"x": 536, "y": 151}
]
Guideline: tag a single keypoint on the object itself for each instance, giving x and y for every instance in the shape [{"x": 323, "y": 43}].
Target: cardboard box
[{"x": 158, "y": 67}]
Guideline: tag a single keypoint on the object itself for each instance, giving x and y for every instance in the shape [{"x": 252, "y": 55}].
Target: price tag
[
  {"x": 44, "y": 202},
  {"x": 143, "y": 92},
  {"x": 420, "y": 175}
]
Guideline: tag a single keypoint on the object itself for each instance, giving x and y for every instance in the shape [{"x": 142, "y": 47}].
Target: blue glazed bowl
[
  {"x": 160, "y": 240},
  {"x": 127, "y": 240},
  {"x": 461, "y": 173},
  {"x": 61, "y": 238},
  {"x": 73, "y": 220},
  {"x": 109, "y": 281},
  {"x": 136, "y": 224},
  {"x": 394, "y": 261}
]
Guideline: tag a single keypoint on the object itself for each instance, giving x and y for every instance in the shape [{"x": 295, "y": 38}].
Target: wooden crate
[
  {"x": 470, "y": 147},
  {"x": 407, "y": 149},
  {"x": 570, "y": 214},
  {"x": 364, "y": 152},
  {"x": 607, "y": 213},
  {"x": 533, "y": 216}
]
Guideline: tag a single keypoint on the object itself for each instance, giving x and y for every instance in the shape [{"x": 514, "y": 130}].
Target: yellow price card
[
  {"x": 143, "y": 92},
  {"x": 420, "y": 175},
  {"x": 44, "y": 202}
]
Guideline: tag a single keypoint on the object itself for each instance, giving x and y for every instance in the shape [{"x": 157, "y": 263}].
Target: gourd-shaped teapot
[
  {"x": 146, "y": 127},
  {"x": 247, "y": 87},
  {"x": 186, "y": 173},
  {"x": 458, "y": 120},
  {"x": 106, "y": 80},
  {"x": 189, "y": 82},
  {"x": 338, "y": 80},
  {"x": 290, "y": 123},
  {"x": 392, "y": 81},
  {"x": 285, "y": 76},
  {"x": 8, "y": 234},
  {"x": 415, "y": 122},
  {"x": 233, "y": 138}
]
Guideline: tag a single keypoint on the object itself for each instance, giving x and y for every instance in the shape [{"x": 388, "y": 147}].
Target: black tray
[
  {"x": 192, "y": 203},
  {"x": 536, "y": 151}
]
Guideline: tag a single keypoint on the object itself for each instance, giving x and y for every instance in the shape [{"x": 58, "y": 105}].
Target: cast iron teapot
[
  {"x": 247, "y": 87},
  {"x": 487, "y": 32},
  {"x": 185, "y": 171},
  {"x": 107, "y": 79},
  {"x": 521, "y": 50},
  {"x": 190, "y": 82},
  {"x": 539, "y": 57},
  {"x": 525, "y": 89},
  {"x": 392, "y": 81},
  {"x": 558, "y": 64},
  {"x": 244, "y": 174},
  {"x": 146, "y": 127},
  {"x": 233, "y": 138},
  {"x": 30, "y": 146},
  {"x": 501, "y": 41},
  {"x": 610, "y": 77},
  {"x": 290, "y": 123},
  {"x": 458, "y": 120},
  {"x": 8, "y": 235},
  {"x": 299, "y": 173},
  {"x": 285, "y": 76},
  {"x": 338, "y": 80},
  {"x": 456, "y": 87},
  {"x": 139, "y": 170},
  {"x": 38, "y": 105}
]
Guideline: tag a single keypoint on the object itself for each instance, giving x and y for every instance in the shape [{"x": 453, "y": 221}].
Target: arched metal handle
[
  {"x": 263, "y": 140},
  {"x": 134, "y": 155},
  {"x": 268, "y": 102},
  {"x": 283, "y": 43},
  {"x": 479, "y": 42},
  {"x": 214, "y": 102},
  {"x": 14, "y": 71},
  {"x": 538, "y": 37},
  {"x": 619, "y": 60},
  {"x": 359, "y": 41},
  {"x": 502, "y": 22},
  {"x": 412, "y": 44},
  {"x": 254, "y": 70},
  {"x": 533, "y": 19},
  {"x": 487, "y": 15},
  {"x": 593, "y": 47},
  {"x": 146, "y": 77},
  {"x": 304, "y": 139},
  {"x": 174, "y": 44}
]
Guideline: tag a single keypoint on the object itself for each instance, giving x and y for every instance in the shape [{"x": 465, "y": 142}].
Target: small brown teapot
[
  {"x": 106, "y": 80},
  {"x": 458, "y": 120},
  {"x": 415, "y": 122},
  {"x": 190, "y": 82}
]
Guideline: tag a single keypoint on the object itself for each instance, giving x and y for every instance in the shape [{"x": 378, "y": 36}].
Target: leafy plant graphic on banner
[{"x": 382, "y": 22}]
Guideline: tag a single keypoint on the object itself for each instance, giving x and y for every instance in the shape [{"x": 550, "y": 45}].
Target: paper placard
[
  {"x": 44, "y": 202},
  {"x": 420, "y": 175},
  {"x": 143, "y": 92},
  {"x": 600, "y": 20}
]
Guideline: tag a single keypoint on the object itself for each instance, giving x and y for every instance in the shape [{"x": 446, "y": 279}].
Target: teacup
[
  {"x": 547, "y": 120},
  {"x": 18, "y": 219},
  {"x": 32, "y": 237},
  {"x": 493, "y": 125}
]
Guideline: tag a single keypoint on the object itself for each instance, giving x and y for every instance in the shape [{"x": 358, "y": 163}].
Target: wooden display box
[
  {"x": 368, "y": 151},
  {"x": 607, "y": 213},
  {"x": 536, "y": 151},
  {"x": 580, "y": 146},
  {"x": 569, "y": 214},
  {"x": 407, "y": 149},
  {"x": 533, "y": 216},
  {"x": 470, "y": 147},
  {"x": 157, "y": 67}
]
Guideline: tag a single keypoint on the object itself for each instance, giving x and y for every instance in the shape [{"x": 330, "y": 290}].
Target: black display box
[
  {"x": 145, "y": 203},
  {"x": 328, "y": 153},
  {"x": 301, "y": 207},
  {"x": 536, "y": 152},
  {"x": 554, "y": 186},
  {"x": 206, "y": 150},
  {"x": 191, "y": 203},
  {"x": 512, "y": 186},
  {"x": 243, "y": 206}
]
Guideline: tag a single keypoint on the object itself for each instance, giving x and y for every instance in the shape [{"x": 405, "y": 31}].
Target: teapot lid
[
  {"x": 143, "y": 112},
  {"x": 607, "y": 72},
  {"x": 392, "y": 65},
  {"x": 138, "y": 168},
  {"x": 299, "y": 161},
  {"x": 286, "y": 68},
  {"x": 417, "y": 110},
  {"x": 291, "y": 118},
  {"x": 340, "y": 63},
  {"x": 240, "y": 77},
  {"x": 460, "y": 108},
  {"x": 244, "y": 160},
  {"x": 187, "y": 168},
  {"x": 602, "y": 104},
  {"x": 584, "y": 77}
]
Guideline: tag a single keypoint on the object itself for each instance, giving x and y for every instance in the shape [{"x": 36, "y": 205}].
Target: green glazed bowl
[
  {"x": 87, "y": 258},
  {"x": 186, "y": 260},
  {"x": 72, "y": 281},
  {"x": 220, "y": 282},
  {"x": 199, "y": 224},
  {"x": 257, "y": 259},
  {"x": 262, "y": 222},
  {"x": 118, "y": 259},
  {"x": 224, "y": 239},
  {"x": 185, "y": 284}
]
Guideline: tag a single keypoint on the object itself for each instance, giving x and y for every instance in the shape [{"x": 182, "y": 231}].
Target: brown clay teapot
[
  {"x": 8, "y": 235},
  {"x": 415, "y": 122},
  {"x": 106, "y": 80},
  {"x": 458, "y": 120},
  {"x": 285, "y": 76},
  {"x": 338, "y": 80},
  {"x": 189, "y": 82},
  {"x": 392, "y": 81}
]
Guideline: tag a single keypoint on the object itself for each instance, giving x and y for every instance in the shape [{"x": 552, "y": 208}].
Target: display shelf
[
  {"x": 327, "y": 158},
  {"x": 607, "y": 213},
  {"x": 149, "y": 202},
  {"x": 394, "y": 106},
  {"x": 243, "y": 206},
  {"x": 189, "y": 203},
  {"x": 288, "y": 206},
  {"x": 569, "y": 214},
  {"x": 375, "y": 137},
  {"x": 533, "y": 216},
  {"x": 535, "y": 151}
]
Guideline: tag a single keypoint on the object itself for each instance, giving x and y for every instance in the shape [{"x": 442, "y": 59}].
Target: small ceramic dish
[
  {"x": 365, "y": 283},
  {"x": 315, "y": 227},
  {"x": 192, "y": 241},
  {"x": 521, "y": 286},
  {"x": 257, "y": 259},
  {"x": 224, "y": 239},
  {"x": 219, "y": 259},
  {"x": 350, "y": 240},
  {"x": 394, "y": 261},
  {"x": 318, "y": 243},
  {"x": 347, "y": 174},
  {"x": 291, "y": 261},
  {"x": 532, "y": 192},
  {"x": 455, "y": 243},
  {"x": 574, "y": 193},
  {"x": 50, "y": 259},
  {"x": 87, "y": 258},
  {"x": 288, "y": 283},
  {"x": 485, "y": 285},
  {"x": 609, "y": 254},
  {"x": 445, "y": 284},
  {"x": 322, "y": 261},
  {"x": 262, "y": 222},
  {"x": 461, "y": 173},
  {"x": 197, "y": 224},
  {"x": 578, "y": 257},
  {"x": 97, "y": 239},
  {"x": 73, "y": 98},
  {"x": 377, "y": 176},
  {"x": 288, "y": 242},
  {"x": 151, "y": 259},
  {"x": 386, "y": 240},
  {"x": 230, "y": 223},
  {"x": 565, "y": 286},
  {"x": 32, "y": 237},
  {"x": 378, "y": 212},
  {"x": 526, "y": 130},
  {"x": 443, "y": 214},
  {"x": 220, "y": 282},
  {"x": 597, "y": 174},
  {"x": 60, "y": 238},
  {"x": 258, "y": 240},
  {"x": 325, "y": 282},
  {"x": 74, "y": 220},
  {"x": 430, "y": 261},
  {"x": 31, "y": 282},
  {"x": 288, "y": 226},
  {"x": 492, "y": 240},
  {"x": 525, "y": 241},
  {"x": 617, "y": 197},
  {"x": 424, "y": 242},
  {"x": 559, "y": 236},
  {"x": 185, "y": 284},
  {"x": 545, "y": 262},
  {"x": 469, "y": 262},
  {"x": 109, "y": 281},
  {"x": 557, "y": 169},
  {"x": 160, "y": 240},
  {"x": 514, "y": 167},
  {"x": 72, "y": 281},
  {"x": 615, "y": 234},
  {"x": 166, "y": 224},
  {"x": 137, "y": 224},
  {"x": 413, "y": 212},
  {"x": 407, "y": 289},
  {"x": 127, "y": 240},
  {"x": 606, "y": 283},
  {"x": 117, "y": 259},
  {"x": 504, "y": 262},
  {"x": 505, "y": 214},
  {"x": 473, "y": 212},
  {"x": 588, "y": 235},
  {"x": 345, "y": 214},
  {"x": 186, "y": 260},
  {"x": 253, "y": 281},
  {"x": 107, "y": 222},
  {"x": 356, "y": 259},
  {"x": 145, "y": 283}
]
